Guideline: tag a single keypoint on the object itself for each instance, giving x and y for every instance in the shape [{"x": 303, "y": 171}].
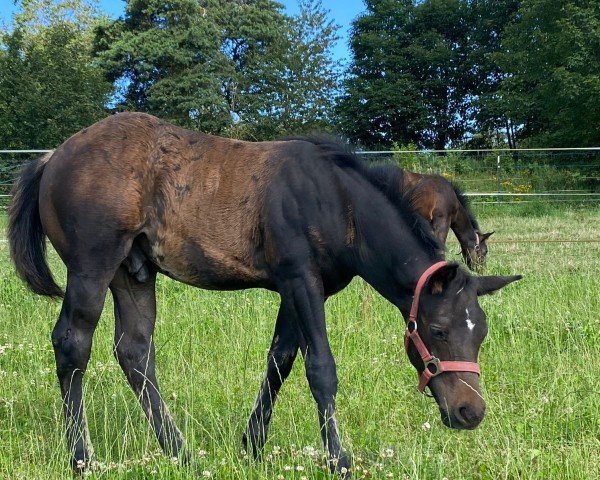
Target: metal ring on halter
[{"x": 436, "y": 365}]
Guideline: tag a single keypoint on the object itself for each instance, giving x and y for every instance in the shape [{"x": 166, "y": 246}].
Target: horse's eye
[{"x": 438, "y": 333}]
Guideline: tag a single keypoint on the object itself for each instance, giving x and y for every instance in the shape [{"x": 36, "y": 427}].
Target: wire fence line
[
  {"x": 490, "y": 176},
  {"x": 502, "y": 176}
]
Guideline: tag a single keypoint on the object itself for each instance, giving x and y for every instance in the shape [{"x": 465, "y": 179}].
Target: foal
[
  {"x": 132, "y": 196},
  {"x": 445, "y": 207}
]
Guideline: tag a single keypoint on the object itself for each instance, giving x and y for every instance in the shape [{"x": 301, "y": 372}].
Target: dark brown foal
[
  {"x": 445, "y": 207},
  {"x": 132, "y": 196}
]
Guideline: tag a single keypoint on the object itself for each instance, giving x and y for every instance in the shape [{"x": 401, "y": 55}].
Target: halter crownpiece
[{"x": 433, "y": 365}]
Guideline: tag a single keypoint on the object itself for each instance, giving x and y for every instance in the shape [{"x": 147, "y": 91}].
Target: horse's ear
[
  {"x": 487, "y": 285},
  {"x": 485, "y": 236},
  {"x": 441, "y": 278}
]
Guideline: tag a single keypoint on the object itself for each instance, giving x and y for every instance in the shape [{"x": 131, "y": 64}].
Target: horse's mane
[
  {"x": 386, "y": 178},
  {"x": 466, "y": 204}
]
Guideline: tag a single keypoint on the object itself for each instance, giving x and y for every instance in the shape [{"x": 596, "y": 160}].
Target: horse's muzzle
[{"x": 463, "y": 417}]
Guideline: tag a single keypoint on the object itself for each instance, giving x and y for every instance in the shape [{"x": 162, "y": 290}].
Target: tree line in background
[{"x": 430, "y": 73}]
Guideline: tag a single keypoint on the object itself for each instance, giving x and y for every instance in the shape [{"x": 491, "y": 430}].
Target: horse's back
[
  {"x": 196, "y": 199},
  {"x": 430, "y": 195}
]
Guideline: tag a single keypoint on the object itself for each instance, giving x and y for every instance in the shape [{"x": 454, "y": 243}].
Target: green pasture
[{"x": 540, "y": 378}]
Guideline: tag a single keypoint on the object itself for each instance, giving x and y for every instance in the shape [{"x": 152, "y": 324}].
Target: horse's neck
[
  {"x": 390, "y": 256},
  {"x": 463, "y": 228}
]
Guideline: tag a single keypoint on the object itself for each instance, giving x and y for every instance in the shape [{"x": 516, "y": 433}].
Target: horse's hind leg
[
  {"x": 72, "y": 342},
  {"x": 280, "y": 360},
  {"x": 135, "y": 314}
]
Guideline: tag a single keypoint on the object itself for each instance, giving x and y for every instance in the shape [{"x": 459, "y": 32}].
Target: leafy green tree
[
  {"x": 487, "y": 21},
  {"x": 552, "y": 65},
  {"x": 439, "y": 61},
  {"x": 306, "y": 81},
  {"x": 381, "y": 102},
  {"x": 164, "y": 59},
  {"x": 49, "y": 86},
  {"x": 239, "y": 68},
  {"x": 410, "y": 80}
]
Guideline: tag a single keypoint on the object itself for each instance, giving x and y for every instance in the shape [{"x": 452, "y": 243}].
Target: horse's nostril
[
  {"x": 466, "y": 414},
  {"x": 469, "y": 416}
]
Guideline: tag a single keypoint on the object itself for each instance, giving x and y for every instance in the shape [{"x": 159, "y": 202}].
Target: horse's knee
[
  {"x": 322, "y": 379},
  {"x": 133, "y": 356}
]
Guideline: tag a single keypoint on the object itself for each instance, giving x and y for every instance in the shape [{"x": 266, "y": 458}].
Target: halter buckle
[{"x": 433, "y": 362}]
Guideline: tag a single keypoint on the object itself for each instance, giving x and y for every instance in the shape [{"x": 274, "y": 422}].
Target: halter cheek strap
[{"x": 433, "y": 365}]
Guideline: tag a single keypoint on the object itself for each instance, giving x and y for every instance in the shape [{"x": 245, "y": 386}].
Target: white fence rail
[
  {"x": 508, "y": 176},
  {"x": 491, "y": 175}
]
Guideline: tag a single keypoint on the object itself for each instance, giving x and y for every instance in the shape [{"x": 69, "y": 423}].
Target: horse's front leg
[
  {"x": 304, "y": 295},
  {"x": 280, "y": 360}
]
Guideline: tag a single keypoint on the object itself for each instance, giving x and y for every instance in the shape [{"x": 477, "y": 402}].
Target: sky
[{"x": 342, "y": 12}]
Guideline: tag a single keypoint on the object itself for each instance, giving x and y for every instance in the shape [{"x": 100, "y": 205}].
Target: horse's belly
[{"x": 209, "y": 267}]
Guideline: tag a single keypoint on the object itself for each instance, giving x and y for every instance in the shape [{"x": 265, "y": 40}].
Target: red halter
[{"x": 433, "y": 365}]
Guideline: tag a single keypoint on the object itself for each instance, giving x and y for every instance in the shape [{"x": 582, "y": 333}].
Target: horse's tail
[
  {"x": 25, "y": 233},
  {"x": 465, "y": 202}
]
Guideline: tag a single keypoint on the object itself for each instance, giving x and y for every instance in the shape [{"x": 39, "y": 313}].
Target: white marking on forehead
[
  {"x": 470, "y": 324},
  {"x": 461, "y": 289}
]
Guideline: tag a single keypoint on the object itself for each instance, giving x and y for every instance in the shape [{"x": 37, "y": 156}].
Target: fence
[
  {"x": 509, "y": 176},
  {"x": 491, "y": 176}
]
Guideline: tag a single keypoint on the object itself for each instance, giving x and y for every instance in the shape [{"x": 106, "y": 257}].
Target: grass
[{"x": 540, "y": 380}]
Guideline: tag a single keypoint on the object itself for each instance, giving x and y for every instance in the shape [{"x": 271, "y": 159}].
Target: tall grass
[{"x": 540, "y": 377}]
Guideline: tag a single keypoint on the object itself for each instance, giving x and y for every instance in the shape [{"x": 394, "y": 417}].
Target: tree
[
  {"x": 307, "y": 77},
  {"x": 49, "y": 86},
  {"x": 552, "y": 64},
  {"x": 487, "y": 21},
  {"x": 381, "y": 103},
  {"x": 410, "y": 81},
  {"x": 239, "y": 68}
]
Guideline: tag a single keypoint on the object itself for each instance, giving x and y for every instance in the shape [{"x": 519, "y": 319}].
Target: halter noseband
[{"x": 433, "y": 365}]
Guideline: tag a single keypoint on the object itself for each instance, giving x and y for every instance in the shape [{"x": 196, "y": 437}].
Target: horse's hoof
[
  {"x": 250, "y": 448},
  {"x": 341, "y": 466},
  {"x": 79, "y": 466},
  {"x": 245, "y": 442}
]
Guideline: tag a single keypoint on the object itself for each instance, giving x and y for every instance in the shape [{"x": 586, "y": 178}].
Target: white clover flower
[{"x": 426, "y": 426}]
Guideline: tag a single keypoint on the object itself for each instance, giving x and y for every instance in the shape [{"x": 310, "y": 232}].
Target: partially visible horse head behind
[
  {"x": 443, "y": 205},
  {"x": 475, "y": 255}
]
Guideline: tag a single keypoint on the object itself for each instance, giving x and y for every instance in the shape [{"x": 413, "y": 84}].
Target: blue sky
[{"x": 341, "y": 11}]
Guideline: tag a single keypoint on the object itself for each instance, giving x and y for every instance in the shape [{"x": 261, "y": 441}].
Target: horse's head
[
  {"x": 475, "y": 255},
  {"x": 451, "y": 327}
]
